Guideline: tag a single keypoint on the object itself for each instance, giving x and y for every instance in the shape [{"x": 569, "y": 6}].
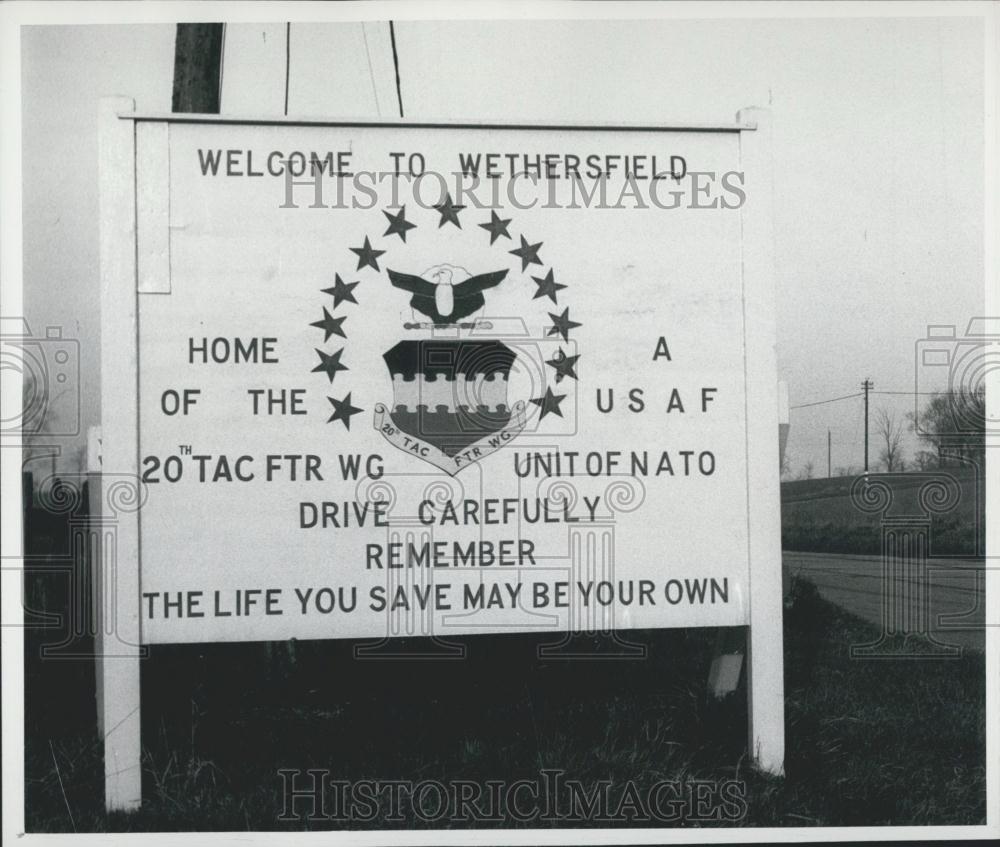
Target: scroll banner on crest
[{"x": 451, "y": 464}]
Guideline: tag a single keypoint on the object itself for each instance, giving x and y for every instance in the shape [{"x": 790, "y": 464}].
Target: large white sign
[
  {"x": 526, "y": 416},
  {"x": 406, "y": 379}
]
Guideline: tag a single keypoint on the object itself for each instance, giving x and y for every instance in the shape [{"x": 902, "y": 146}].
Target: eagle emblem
[{"x": 444, "y": 301}]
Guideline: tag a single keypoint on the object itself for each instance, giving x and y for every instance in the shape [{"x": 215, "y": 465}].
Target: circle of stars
[{"x": 563, "y": 364}]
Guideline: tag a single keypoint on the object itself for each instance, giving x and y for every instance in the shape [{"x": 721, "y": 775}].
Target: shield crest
[{"x": 450, "y": 403}]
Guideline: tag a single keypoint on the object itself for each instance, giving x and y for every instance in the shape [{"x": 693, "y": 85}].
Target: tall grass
[{"x": 884, "y": 742}]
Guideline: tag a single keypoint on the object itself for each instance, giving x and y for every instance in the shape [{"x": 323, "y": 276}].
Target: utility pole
[
  {"x": 197, "y": 67},
  {"x": 829, "y": 453},
  {"x": 866, "y": 386}
]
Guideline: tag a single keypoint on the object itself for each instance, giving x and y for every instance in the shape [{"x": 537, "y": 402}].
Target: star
[
  {"x": 449, "y": 211},
  {"x": 398, "y": 224},
  {"x": 549, "y": 403},
  {"x": 547, "y": 286},
  {"x": 330, "y": 325},
  {"x": 367, "y": 256},
  {"x": 561, "y": 324},
  {"x": 342, "y": 410},
  {"x": 496, "y": 227},
  {"x": 329, "y": 364},
  {"x": 564, "y": 365},
  {"x": 528, "y": 254},
  {"x": 342, "y": 291}
]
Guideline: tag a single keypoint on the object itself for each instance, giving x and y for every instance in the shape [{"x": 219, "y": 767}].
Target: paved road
[{"x": 856, "y": 583}]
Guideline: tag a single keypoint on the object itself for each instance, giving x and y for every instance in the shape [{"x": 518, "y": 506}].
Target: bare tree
[
  {"x": 889, "y": 429},
  {"x": 807, "y": 471},
  {"x": 953, "y": 426}
]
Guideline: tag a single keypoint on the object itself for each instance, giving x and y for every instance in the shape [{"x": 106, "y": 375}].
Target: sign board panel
[
  {"x": 393, "y": 379},
  {"x": 565, "y": 447}
]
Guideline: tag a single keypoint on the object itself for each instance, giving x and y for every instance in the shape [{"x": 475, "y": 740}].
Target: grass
[
  {"x": 820, "y": 516},
  {"x": 869, "y": 742}
]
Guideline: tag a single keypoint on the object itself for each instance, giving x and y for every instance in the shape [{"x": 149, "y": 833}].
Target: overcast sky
[{"x": 878, "y": 151}]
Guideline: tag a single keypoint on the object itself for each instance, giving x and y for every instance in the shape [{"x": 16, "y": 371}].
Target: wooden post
[
  {"x": 730, "y": 646},
  {"x": 765, "y": 665},
  {"x": 116, "y": 492}
]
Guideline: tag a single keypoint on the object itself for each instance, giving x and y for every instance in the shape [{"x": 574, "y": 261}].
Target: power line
[
  {"x": 871, "y": 391},
  {"x": 395, "y": 62},
  {"x": 288, "y": 61},
  {"x": 824, "y": 402},
  {"x": 371, "y": 70},
  {"x": 914, "y": 393}
]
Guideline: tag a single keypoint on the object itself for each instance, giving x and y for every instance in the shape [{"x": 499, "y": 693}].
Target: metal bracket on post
[{"x": 727, "y": 662}]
